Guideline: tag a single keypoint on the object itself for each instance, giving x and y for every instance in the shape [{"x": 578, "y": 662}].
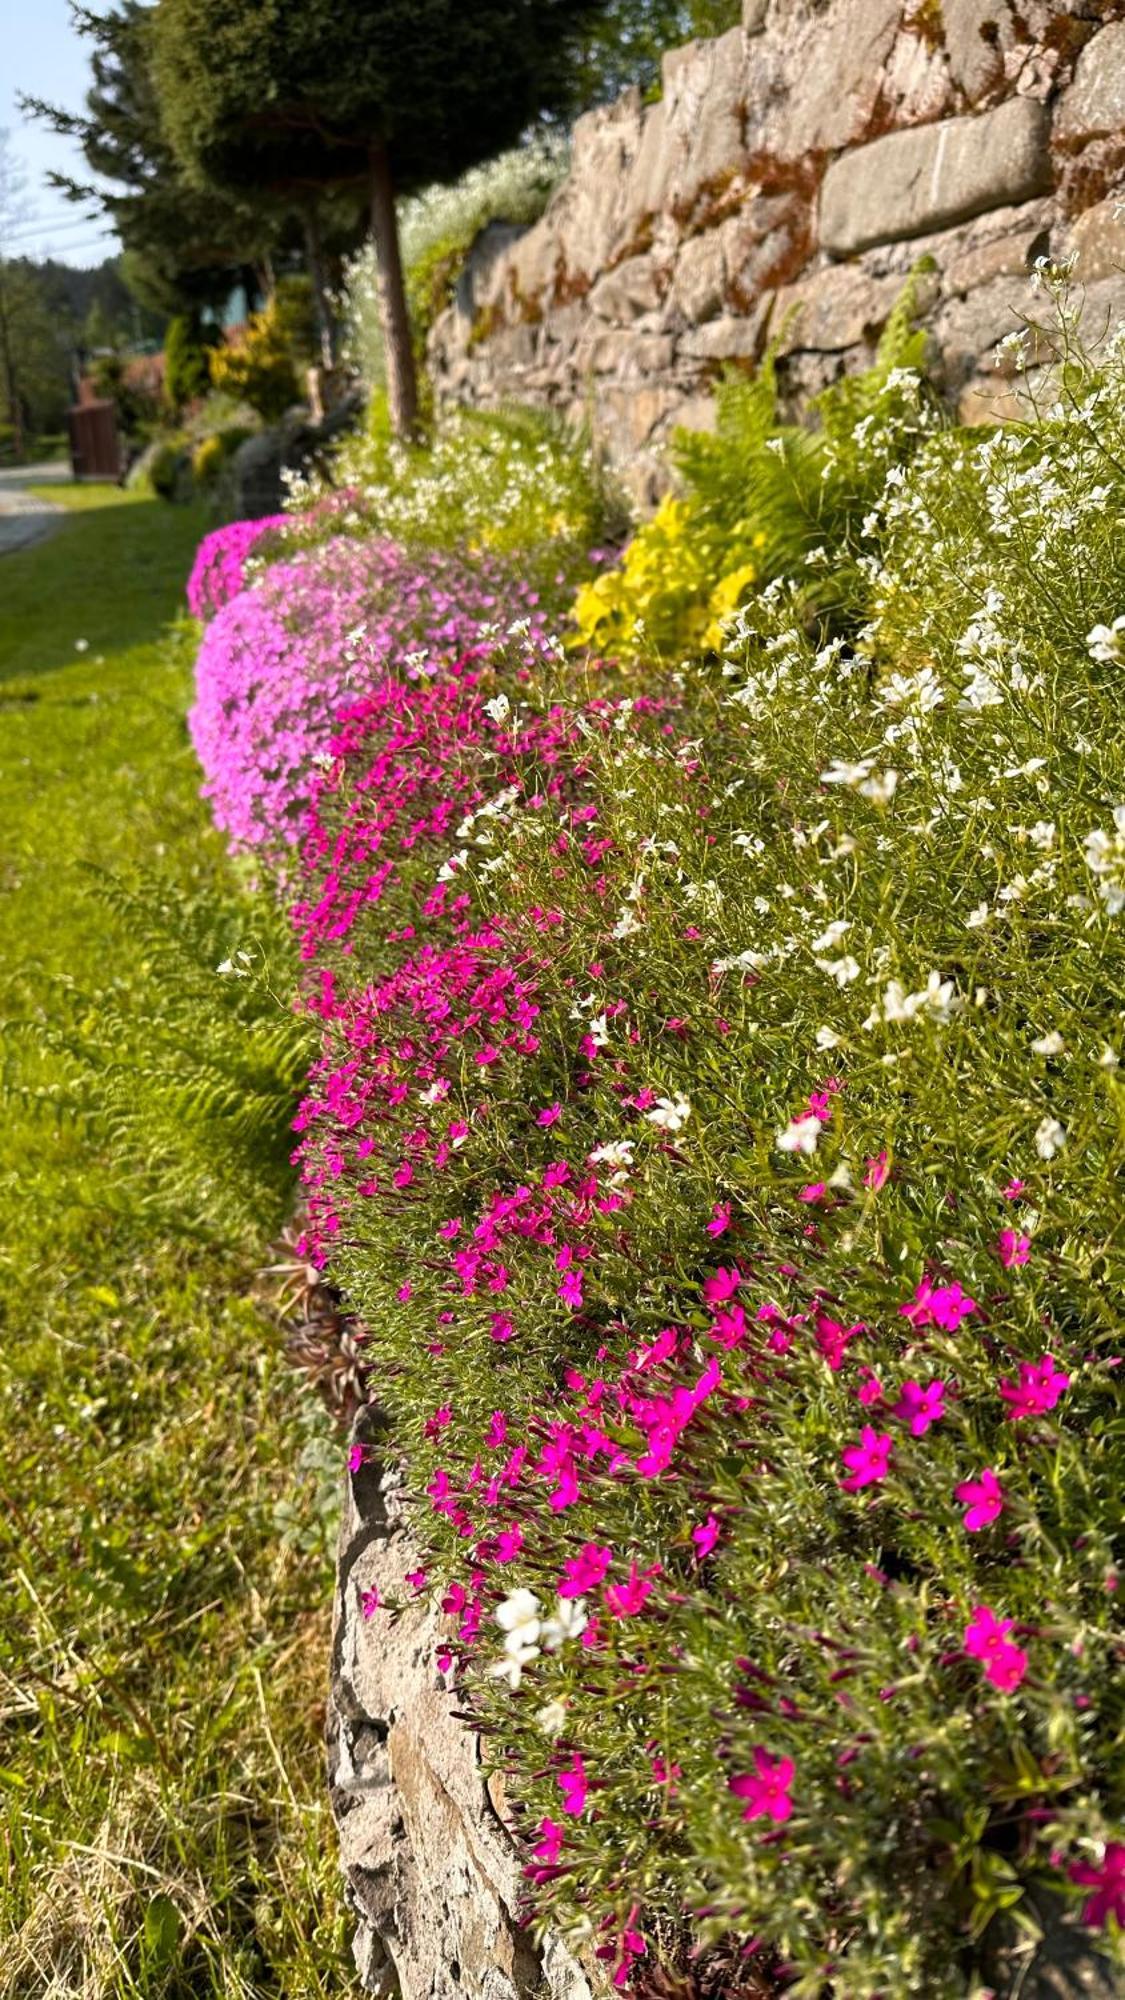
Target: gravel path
[{"x": 25, "y": 516}]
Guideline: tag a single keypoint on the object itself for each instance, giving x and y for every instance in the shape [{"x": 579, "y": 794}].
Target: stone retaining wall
[{"x": 782, "y": 187}]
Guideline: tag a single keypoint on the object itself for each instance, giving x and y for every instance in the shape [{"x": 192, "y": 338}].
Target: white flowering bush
[{"x": 720, "y": 1125}]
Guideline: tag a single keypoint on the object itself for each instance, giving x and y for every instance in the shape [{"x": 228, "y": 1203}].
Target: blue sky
[{"x": 40, "y": 53}]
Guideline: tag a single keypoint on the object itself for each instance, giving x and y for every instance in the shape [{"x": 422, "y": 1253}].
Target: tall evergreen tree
[
  {"x": 185, "y": 244},
  {"x": 295, "y": 97}
]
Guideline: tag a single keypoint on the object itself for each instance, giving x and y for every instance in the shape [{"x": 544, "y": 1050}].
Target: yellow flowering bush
[{"x": 663, "y": 598}]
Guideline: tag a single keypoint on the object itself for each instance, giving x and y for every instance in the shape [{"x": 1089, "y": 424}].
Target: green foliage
[
  {"x": 763, "y": 498},
  {"x": 187, "y": 349},
  {"x": 187, "y": 1062},
  {"x": 624, "y": 45},
  {"x": 257, "y": 367},
  {"x": 164, "y": 1627}
]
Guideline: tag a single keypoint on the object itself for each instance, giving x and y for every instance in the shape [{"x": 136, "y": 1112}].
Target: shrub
[
  {"x": 719, "y": 1119},
  {"x": 213, "y": 453},
  {"x": 762, "y": 499},
  {"x": 219, "y": 571},
  {"x": 258, "y": 367},
  {"x": 187, "y": 345}
]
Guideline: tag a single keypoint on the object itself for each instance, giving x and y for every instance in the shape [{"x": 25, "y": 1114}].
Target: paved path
[{"x": 25, "y": 516}]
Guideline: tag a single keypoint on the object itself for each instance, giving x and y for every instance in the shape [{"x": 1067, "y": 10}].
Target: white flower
[
  {"x": 842, "y": 970},
  {"x": 1105, "y": 641},
  {"x": 847, "y": 774},
  {"x": 880, "y": 787},
  {"x": 568, "y": 1621},
  {"x": 449, "y": 868},
  {"x": 1051, "y": 1044},
  {"x": 518, "y": 1616},
  {"x": 977, "y": 917},
  {"x": 1050, "y": 1136},
  {"x": 799, "y": 1136},
  {"x": 499, "y": 708},
  {"x": 827, "y": 1038},
  {"x": 1105, "y": 857},
  {"x": 615, "y": 1153},
  {"x": 81, "y": 645},
  {"x": 1109, "y": 1058},
  {"x": 831, "y": 935},
  {"x": 551, "y": 1718},
  {"x": 599, "y": 1031},
  {"x": 671, "y": 1114}
]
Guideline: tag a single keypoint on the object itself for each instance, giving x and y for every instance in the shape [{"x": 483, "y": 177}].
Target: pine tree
[{"x": 295, "y": 98}]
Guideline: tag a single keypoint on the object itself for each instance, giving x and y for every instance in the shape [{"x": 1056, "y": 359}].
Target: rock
[
  {"x": 725, "y": 339},
  {"x": 1097, "y": 241},
  {"x": 754, "y": 16},
  {"x": 631, "y": 288},
  {"x": 294, "y": 445},
  {"x": 1094, "y": 105},
  {"x": 967, "y": 330},
  {"x": 432, "y": 1875},
  {"x": 629, "y": 356},
  {"x": 699, "y": 278},
  {"x": 828, "y": 77},
  {"x": 489, "y": 245},
  {"x": 977, "y": 35},
  {"x": 912, "y": 181},
  {"x": 834, "y": 309},
  {"x": 1007, "y": 256}
]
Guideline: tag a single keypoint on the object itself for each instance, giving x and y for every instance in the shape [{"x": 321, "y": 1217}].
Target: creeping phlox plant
[
  {"x": 219, "y": 571},
  {"x": 719, "y": 1122}
]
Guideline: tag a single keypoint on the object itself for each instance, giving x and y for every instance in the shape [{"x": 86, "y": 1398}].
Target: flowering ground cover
[
  {"x": 718, "y": 1119},
  {"x": 166, "y": 1573}
]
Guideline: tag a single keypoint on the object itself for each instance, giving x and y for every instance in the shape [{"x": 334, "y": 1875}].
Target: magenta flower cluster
[{"x": 219, "y": 570}]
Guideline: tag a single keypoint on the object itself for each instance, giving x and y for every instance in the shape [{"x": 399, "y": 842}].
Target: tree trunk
[
  {"x": 402, "y": 381},
  {"x": 322, "y": 309}
]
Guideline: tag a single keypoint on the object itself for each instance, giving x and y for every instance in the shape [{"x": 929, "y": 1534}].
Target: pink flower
[
  {"x": 1039, "y": 1388},
  {"x": 986, "y": 1639},
  {"x": 720, "y": 1219},
  {"x": 550, "y": 1841},
  {"x": 550, "y": 1116},
  {"x": 501, "y": 1327},
  {"x": 705, "y": 1536},
  {"x": 573, "y": 1786},
  {"x": 1013, "y": 1190},
  {"x": 624, "y": 1600},
  {"x": 814, "y": 1192},
  {"x": 583, "y": 1572},
  {"x": 868, "y": 1460},
  {"x": 939, "y": 1305},
  {"x": 877, "y": 1171},
  {"x": 920, "y": 1407},
  {"x": 766, "y": 1789},
  {"x": 1013, "y": 1248},
  {"x": 356, "y": 1456},
  {"x": 982, "y": 1499},
  {"x": 722, "y": 1284},
  {"x": 369, "y": 1602},
  {"x": 570, "y": 1289},
  {"x": 1108, "y": 1884},
  {"x": 416, "y": 1578}
]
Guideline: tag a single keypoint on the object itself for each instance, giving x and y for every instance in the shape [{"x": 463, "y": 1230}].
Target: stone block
[
  {"x": 967, "y": 330},
  {"x": 1094, "y": 105},
  {"x": 628, "y": 356},
  {"x": 699, "y": 277},
  {"x": 978, "y": 34},
  {"x": 704, "y": 101},
  {"x": 833, "y": 309},
  {"x": 731, "y": 338},
  {"x": 827, "y": 76},
  {"x": 633, "y": 287},
  {"x": 1011, "y": 255},
  {"x": 909, "y": 182},
  {"x": 754, "y": 16}
]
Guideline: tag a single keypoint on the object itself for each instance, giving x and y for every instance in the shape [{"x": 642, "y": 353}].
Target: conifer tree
[{"x": 290, "y": 98}]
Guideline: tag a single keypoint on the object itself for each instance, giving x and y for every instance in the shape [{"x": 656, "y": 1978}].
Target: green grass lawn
[{"x": 163, "y": 1632}]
